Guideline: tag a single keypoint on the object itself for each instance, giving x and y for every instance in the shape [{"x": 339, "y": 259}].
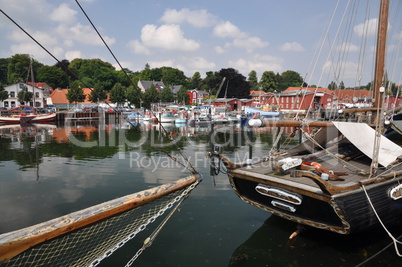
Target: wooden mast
[
  {"x": 378, "y": 80},
  {"x": 380, "y": 53}
]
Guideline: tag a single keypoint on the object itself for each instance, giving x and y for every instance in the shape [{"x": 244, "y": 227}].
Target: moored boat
[
  {"x": 322, "y": 190},
  {"x": 346, "y": 179},
  {"x": 27, "y": 118}
]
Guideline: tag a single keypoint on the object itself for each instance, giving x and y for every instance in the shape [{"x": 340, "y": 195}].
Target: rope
[
  {"x": 58, "y": 61},
  {"x": 356, "y": 169},
  {"x": 394, "y": 240},
  {"x": 148, "y": 241},
  {"x": 191, "y": 167}
]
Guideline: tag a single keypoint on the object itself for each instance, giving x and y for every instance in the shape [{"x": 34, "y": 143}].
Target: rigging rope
[
  {"x": 191, "y": 167},
  {"x": 395, "y": 241}
]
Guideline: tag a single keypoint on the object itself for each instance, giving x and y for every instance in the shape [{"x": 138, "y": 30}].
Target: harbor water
[{"x": 51, "y": 170}]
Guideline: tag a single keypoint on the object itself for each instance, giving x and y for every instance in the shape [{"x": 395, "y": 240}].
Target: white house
[{"x": 12, "y": 100}]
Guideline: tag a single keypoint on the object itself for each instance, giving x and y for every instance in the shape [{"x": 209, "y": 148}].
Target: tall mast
[
  {"x": 380, "y": 52},
  {"x": 33, "y": 83},
  {"x": 378, "y": 79}
]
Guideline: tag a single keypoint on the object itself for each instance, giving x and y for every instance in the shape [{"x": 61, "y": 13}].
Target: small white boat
[{"x": 166, "y": 117}]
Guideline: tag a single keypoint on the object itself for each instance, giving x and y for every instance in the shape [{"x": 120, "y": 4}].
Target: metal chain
[
  {"x": 141, "y": 228},
  {"x": 148, "y": 241}
]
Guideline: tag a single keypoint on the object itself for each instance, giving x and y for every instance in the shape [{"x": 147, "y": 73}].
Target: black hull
[{"x": 343, "y": 213}]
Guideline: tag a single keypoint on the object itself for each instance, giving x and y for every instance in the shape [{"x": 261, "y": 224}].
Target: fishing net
[{"x": 87, "y": 246}]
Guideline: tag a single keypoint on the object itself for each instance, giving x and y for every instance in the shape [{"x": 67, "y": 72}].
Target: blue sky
[{"x": 260, "y": 35}]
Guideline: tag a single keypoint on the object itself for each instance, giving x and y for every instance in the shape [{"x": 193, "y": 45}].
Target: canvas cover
[{"x": 362, "y": 136}]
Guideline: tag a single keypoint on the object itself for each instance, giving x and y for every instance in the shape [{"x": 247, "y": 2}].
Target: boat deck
[{"x": 356, "y": 171}]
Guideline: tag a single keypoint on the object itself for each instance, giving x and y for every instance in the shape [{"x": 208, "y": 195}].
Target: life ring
[{"x": 316, "y": 165}]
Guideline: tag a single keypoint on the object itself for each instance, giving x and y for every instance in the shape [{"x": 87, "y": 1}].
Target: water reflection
[{"x": 271, "y": 244}]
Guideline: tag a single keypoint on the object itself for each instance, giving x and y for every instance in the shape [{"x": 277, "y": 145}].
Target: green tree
[
  {"x": 24, "y": 96},
  {"x": 211, "y": 82},
  {"x": 3, "y": 70},
  {"x": 290, "y": 78},
  {"x": 75, "y": 94},
  {"x": 253, "y": 80},
  {"x": 236, "y": 87},
  {"x": 182, "y": 96},
  {"x": 18, "y": 66},
  {"x": 150, "y": 96},
  {"x": 3, "y": 93},
  {"x": 93, "y": 71},
  {"x": 146, "y": 74},
  {"x": 269, "y": 81},
  {"x": 134, "y": 95},
  {"x": 118, "y": 94},
  {"x": 195, "y": 80},
  {"x": 341, "y": 85},
  {"x": 53, "y": 76},
  {"x": 332, "y": 86},
  {"x": 97, "y": 94},
  {"x": 166, "y": 95},
  {"x": 172, "y": 76}
]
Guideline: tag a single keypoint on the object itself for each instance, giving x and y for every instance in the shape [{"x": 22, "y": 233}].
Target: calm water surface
[{"x": 48, "y": 171}]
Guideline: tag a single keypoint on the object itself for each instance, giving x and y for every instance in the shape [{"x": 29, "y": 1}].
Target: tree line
[{"x": 121, "y": 85}]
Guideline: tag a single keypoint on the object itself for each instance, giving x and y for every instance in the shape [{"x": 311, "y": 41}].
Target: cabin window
[
  {"x": 36, "y": 94},
  {"x": 293, "y": 99},
  {"x": 194, "y": 95},
  {"x": 12, "y": 94},
  {"x": 21, "y": 85},
  {"x": 37, "y": 104},
  {"x": 329, "y": 99},
  {"x": 12, "y": 104},
  {"x": 6, "y": 104}
]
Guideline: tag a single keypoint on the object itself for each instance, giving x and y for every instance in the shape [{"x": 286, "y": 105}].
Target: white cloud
[
  {"x": 163, "y": 63},
  {"x": 168, "y": 37},
  {"x": 249, "y": 44},
  {"x": 70, "y": 55},
  {"x": 124, "y": 64},
  {"x": 36, "y": 51},
  {"x": 201, "y": 63},
  {"x": 293, "y": 46},
  {"x": 24, "y": 45},
  {"x": 198, "y": 18},
  {"x": 259, "y": 63},
  {"x": 82, "y": 34},
  {"x": 63, "y": 14},
  {"x": 219, "y": 49},
  {"x": 368, "y": 28},
  {"x": 348, "y": 47},
  {"x": 349, "y": 69},
  {"x": 139, "y": 48},
  {"x": 227, "y": 29}
]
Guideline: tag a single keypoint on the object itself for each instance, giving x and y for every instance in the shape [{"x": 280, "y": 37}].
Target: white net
[{"x": 89, "y": 245}]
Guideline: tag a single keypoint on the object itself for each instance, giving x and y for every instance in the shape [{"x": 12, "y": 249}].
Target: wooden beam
[{"x": 14, "y": 243}]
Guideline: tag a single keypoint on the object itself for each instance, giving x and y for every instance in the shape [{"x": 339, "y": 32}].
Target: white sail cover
[{"x": 362, "y": 136}]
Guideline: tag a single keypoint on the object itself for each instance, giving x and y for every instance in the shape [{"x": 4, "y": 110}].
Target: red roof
[{"x": 59, "y": 96}]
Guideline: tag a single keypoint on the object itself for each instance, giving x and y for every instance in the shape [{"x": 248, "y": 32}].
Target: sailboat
[{"x": 345, "y": 179}]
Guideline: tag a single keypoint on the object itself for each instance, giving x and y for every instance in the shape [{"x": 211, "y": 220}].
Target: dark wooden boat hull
[{"x": 342, "y": 213}]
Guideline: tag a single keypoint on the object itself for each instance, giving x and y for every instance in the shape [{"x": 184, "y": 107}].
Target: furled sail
[{"x": 362, "y": 136}]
